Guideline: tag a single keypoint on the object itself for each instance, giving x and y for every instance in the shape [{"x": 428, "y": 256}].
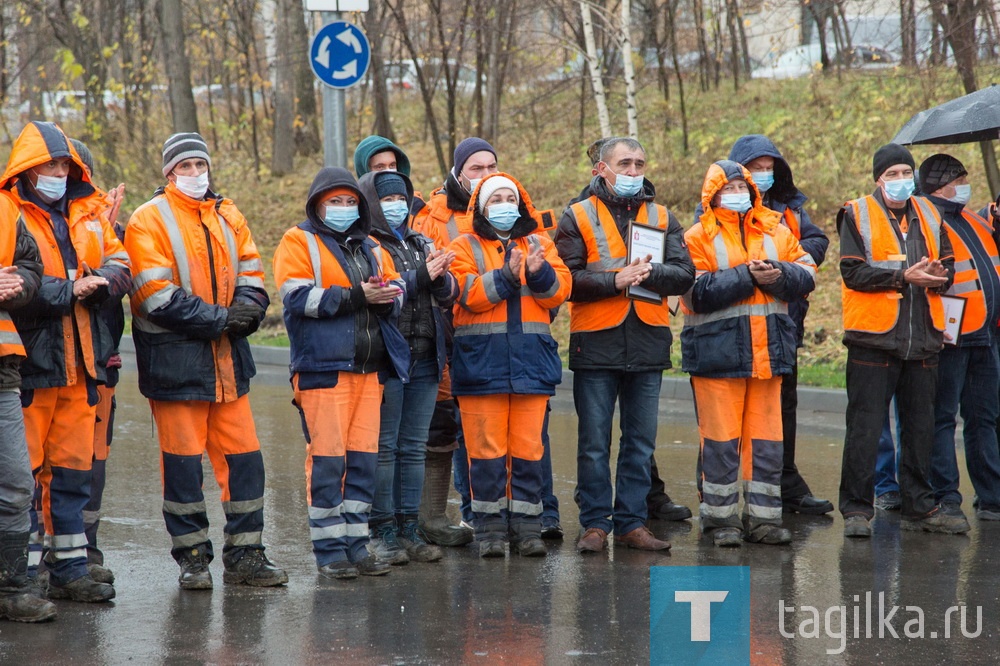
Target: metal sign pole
[{"x": 334, "y": 117}]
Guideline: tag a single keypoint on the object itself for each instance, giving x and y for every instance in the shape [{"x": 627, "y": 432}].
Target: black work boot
[
  {"x": 195, "y": 574},
  {"x": 18, "y": 602},
  {"x": 250, "y": 566},
  {"x": 434, "y": 523},
  {"x": 526, "y": 537},
  {"x": 84, "y": 589},
  {"x": 417, "y": 549},
  {"x": 491, "y": 534}
]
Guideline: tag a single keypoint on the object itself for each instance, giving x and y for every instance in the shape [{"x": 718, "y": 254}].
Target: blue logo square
[{"x": 699, "y": 615}]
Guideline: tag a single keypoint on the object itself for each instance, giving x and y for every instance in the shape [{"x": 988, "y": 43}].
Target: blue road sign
[{"x": 339, "y": 54}]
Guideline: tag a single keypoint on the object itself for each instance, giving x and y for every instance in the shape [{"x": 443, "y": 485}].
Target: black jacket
[
  {"x": 420, "y": 319},
  {"x": 914, "y": 336},
  {"x": 29, "y": 266},
  {"x": 632, "y": 345}
]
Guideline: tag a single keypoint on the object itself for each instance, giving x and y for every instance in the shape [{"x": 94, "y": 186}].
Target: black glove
[{"x": 242, "y": 319}]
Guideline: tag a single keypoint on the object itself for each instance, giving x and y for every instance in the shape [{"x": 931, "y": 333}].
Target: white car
[{"x": 806, "y": 59}]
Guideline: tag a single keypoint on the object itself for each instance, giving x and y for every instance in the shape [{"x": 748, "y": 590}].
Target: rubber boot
[
  {"x": 18, "y": 602},
  {"x": 434, "y": 523}
]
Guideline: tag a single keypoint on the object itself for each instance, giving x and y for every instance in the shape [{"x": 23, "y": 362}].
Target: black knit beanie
[
  {"x": 888, "y": 155},
  {"x": 939, "y": 170}
]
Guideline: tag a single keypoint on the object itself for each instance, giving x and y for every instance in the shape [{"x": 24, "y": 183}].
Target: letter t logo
[{"x": 701, "y": 610}]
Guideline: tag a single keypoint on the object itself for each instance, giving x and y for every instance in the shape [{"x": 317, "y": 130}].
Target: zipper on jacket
[{"x": 211, "y": 264}]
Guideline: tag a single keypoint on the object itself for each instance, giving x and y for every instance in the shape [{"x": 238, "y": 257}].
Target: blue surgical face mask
[
  {"x": 764, "y": 180},
  {"x": 627, "y": 186},
  {"x": 395, "y": 212},
  {"x": 51, "y": 188},
  {"x": 962, "y": 194},
  {"x": 738, "y": 201},
  {"x": 340, "y": 218},
  {"x": 473, "y": 184},
  {"x": 899, "y": 190},
  {"x": 502, "y": 216}
]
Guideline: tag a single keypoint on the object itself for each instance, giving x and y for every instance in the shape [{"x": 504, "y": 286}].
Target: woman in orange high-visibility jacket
[
  {"x": 66, "y": 342},
  {"x": 737, "y": 342},
  {"x": 198, "y": 293},
  {"x": 505, "y": 363},
  {"x": 342, "y": 297}
]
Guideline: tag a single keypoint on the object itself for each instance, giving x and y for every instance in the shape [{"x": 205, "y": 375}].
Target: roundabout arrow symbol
[
  {"x": 350, "y": 39},
  {"x": 349, "y": 71},
  {"x": 323, "y": 57}
]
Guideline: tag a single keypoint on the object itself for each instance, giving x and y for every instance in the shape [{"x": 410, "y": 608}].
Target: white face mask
[{"x": 193, "y": 186}]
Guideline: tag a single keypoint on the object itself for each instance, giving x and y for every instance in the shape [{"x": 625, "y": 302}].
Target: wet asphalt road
[{"x": 563, "y": 609}]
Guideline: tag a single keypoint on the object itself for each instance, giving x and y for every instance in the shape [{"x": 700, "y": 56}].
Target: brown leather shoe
[
  {"x": 593, "y": 540},
  {"x": 642, "y": 539}
]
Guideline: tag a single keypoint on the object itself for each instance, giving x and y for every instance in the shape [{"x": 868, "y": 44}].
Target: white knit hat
[{"x": 491, "y": 185}]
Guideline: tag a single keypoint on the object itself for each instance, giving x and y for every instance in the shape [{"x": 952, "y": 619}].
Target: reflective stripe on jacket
[
  {"x": 319, "y": 308},
  {"x": 10, "y": 341},
  {"x": 970, "y": 271},
  {"x": 606, "y": 251},
  {"x": 877, "y": 312},
  {"x": 191, "y": 260}
]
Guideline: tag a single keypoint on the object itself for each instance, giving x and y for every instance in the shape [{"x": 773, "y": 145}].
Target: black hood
[
  {"x": 458, "y": 196},
  {"x": 327, "y": 179},
  {"x": 751, "y": 146},
  {"x": 379, "y": 225}
]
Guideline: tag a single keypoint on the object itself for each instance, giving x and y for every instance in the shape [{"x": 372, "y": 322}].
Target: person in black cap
[
  {"x": 969, "y": 369},
  {"x": 896, "y": 261},
  {"x": 407, "y": 409}
]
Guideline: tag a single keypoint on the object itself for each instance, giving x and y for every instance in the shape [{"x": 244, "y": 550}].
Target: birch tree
[
  {"x": 595, "y": 69},
  {"x": 626, "y": 42}
]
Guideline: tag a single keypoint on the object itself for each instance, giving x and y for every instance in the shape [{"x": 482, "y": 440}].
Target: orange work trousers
[
  {"x": 59, "y": 428},
  {"x": 503, "y": 435},
  {"x": 739, "y": 420},
  {"x": 341, "y": 426},
  {"x": 225, "y": 430}
]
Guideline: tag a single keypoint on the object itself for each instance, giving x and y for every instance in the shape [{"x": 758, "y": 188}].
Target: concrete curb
[{"x": 275, "y": 360}]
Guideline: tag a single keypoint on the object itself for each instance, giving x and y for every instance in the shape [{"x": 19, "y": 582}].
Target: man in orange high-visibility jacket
[
  {"x": 20, "y": 278},
  {"x": 618, "y": 347},
  {"x": 895, "y": 260},
  {"x": 67, "y": 346},
  {"x": 198, "y": 293},
  {"x": 969, "y": 368}
]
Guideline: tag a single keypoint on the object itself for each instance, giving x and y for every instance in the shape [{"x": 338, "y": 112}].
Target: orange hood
[
  {"x": 721, "y": 173},
  {"x": 39, "y": 143}
]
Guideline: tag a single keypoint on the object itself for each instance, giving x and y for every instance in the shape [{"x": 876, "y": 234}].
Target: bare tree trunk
[
  {"x": 307, "y": 140},
  {"x": 631, "y": 110},
  {"x": 183, "y": 113},
  {"x": 734, "y": 44},
  {"x": 704, "y": 73},
  {"x": 497, "y": 61},
  {"x": 672, "y": 27},
  {"x": 283, "y": 131},
  {"x": 596, "y": 81},
  {"x": 426, "y": 90},
  {"x": 376, "y": 19},
  {"x": 908, "y": 32}
]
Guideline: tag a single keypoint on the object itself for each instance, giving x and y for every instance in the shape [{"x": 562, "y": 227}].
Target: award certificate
[
  {"x": 954, "y": 311},
  {"x": 645, "y": 240}
]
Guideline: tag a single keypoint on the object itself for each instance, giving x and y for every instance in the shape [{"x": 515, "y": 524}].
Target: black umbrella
[{"x": 974, "y": 117}]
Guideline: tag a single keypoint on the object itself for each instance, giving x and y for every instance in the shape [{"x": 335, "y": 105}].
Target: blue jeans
[
  {"x": 887, "y": 460},
  {"x": 406, "y": 419},
  {"x": 968, "y": 377},
  {"x": 550, "y": 503},
  {"x": 16, "y": 483},
  {"x": 595, "y": 393}
]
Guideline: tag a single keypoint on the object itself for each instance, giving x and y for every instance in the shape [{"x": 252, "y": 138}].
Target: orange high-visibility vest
[
  {"x": 967, "y": 284},
  {"x": 10, "y": 341},
  {"x": 878, "y": 312},
  {"x": 606, "y": 251},
  {"x": 791, "y": 221}
]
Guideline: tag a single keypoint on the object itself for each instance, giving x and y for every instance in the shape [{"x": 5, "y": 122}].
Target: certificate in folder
[
  {"x": 642, "y": 240},
  {"x": 954, "y": 311}
]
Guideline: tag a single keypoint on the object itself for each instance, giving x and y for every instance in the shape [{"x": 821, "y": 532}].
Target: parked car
[
  {"x": 402, "y": 75},
  {"x": 805, "y": 59},
  {"x": 68, "y": 105}
]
